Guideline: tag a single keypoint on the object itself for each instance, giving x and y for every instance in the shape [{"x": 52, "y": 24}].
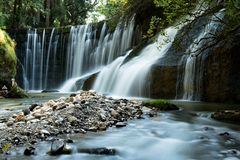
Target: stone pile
[{"x": 78, "y": 113}]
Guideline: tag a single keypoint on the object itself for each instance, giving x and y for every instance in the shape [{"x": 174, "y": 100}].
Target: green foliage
[
  {"x": 6, "y": 147},
  {"x": 36, "y": 13},
  {"x": 232, "y": 14},
  {"x": 153, "y": 26},
  {"x": 160, "y": 104},
  {"x": 172, "y": 9},
  {"x": 111, "y": 8}
]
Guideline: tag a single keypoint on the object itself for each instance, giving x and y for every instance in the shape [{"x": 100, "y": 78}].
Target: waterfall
[
  {"x": 87, "y": 53},
  {"x": 131, "y": 78},
  {"x": 48, "y": 58},
  {"x": 38, "y": 62},
  {"x": 194, "y": 67}
]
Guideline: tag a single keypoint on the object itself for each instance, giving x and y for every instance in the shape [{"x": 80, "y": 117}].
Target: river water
[{"x": 188, "y": 134}]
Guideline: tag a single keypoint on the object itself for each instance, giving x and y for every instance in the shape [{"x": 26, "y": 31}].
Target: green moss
[
  {"x": 17, "y": 92},
  {"x": 8, "y": 59},
  {"x": 160, "y": 105}
]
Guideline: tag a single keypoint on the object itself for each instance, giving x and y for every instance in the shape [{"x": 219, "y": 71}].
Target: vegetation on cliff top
[{"x": 15, "y": 14}]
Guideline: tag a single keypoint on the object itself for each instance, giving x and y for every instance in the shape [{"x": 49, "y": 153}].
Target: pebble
[{"x": 120, "y": 124}]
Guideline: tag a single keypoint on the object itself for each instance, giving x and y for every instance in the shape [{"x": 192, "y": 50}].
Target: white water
[
  {"x": 86, "y": 53},
  {"x": 70, "y": 85},
  {"x": 194, "y": 65},
  {"x": 40, "y": 59},
  {"x": 131, "y": 78}
]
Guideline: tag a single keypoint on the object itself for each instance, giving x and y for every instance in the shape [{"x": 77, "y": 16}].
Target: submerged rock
[
  {"x": 121, "y": 124},
  {"x": 101, "y": 151},
  {"x": 30, "y": 150},
  {"x": 57, "y": 147},
  {"x": 50, "y": 91}
]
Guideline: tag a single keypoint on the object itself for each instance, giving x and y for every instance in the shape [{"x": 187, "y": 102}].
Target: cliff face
[
  {"x": 222, "y": 72},
  {"x": 217, "y": 71}
]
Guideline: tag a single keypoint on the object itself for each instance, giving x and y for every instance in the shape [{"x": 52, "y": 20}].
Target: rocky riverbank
[{"x": 78, "y": 113}]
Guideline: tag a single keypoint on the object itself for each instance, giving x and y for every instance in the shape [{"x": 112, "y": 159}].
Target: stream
[{"x": 188, "y": 134}]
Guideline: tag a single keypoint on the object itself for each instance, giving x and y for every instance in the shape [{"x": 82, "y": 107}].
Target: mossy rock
[
  {"x": 160, "y": 105},
  {"x": 8, "y": 59},
  {"x": 17, "y": 92}
]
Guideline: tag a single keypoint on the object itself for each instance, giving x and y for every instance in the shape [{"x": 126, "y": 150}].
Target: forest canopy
[{"x": 43, "y": 13}]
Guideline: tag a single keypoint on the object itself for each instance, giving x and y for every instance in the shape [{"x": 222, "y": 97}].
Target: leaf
[{"x": 6, "y": 147}]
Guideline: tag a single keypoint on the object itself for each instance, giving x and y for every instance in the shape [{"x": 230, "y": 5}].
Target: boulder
[
  {"x": 30, "y": 150},
  {"x": 101, "y": 151},
  {"x": 227, "y": 115},
  {"x": 8, "y": 59},
  {"x": 59, "y": 147}
]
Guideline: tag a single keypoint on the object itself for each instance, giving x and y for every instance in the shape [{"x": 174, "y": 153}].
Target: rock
[
  {"x": 26, "y": 111},
  {"x": 152, "y": 113},
  {"x": 101, "y": 151},
  {"x": 16, "y": 140},
  {"x": 34, "y": 121},
  {"x": 69, "y": 141},
  {"x": 32, "y": 107},
  {"x": 224, "y": 134},
  {"x": 14, "y": 116},
  {"x": 73, "y": 95},
  {"x": 3, "y": 126},
  {"x": 50, "y": 91},
  {"x": 227, "y": 115},
  {"x": 45, "y": 132},
  {"x": 102, "y": 126},
  {"x": 29, "y": 117},
  {"x": 73, "y": 120},
  {"x": 29, "y": 151},
  {"x": 59, "y": 147},
  {"x": 120, "y": 124},
  {"x": 102, "y": 117},
  {"x": 93, "y": 129},
  {"x": 20, "y": 117},
  {"x": 114, "y": 113},
  {"x": 160, "y": 105},
  {"x": 10, "y": 123},
  {"x": 38, "y": 115}
]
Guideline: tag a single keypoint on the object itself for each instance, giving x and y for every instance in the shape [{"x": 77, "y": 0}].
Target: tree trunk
[{"x": 48, "y": 13}]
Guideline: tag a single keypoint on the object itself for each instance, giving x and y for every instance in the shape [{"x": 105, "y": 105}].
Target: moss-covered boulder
[
  {"x": 8, "y": 59},
  {"x": 160, "y": 105},
  {"x": 16, "y": 92}
]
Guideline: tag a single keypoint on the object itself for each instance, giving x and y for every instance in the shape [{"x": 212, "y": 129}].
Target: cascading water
[
  {"x": 87, "y": 54},
  {"x": 194, "y": 67},
  {"x": 130, "y": 79},
  {"x": 37, "y": 62}
]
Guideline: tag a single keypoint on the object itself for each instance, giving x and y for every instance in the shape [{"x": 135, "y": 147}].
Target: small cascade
[
  {"x": 38, "y": 62},
  {"x": 194, "y": 67},
  {"x": 131, "y": 78},
  {"x": 86, "y": 52}
]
